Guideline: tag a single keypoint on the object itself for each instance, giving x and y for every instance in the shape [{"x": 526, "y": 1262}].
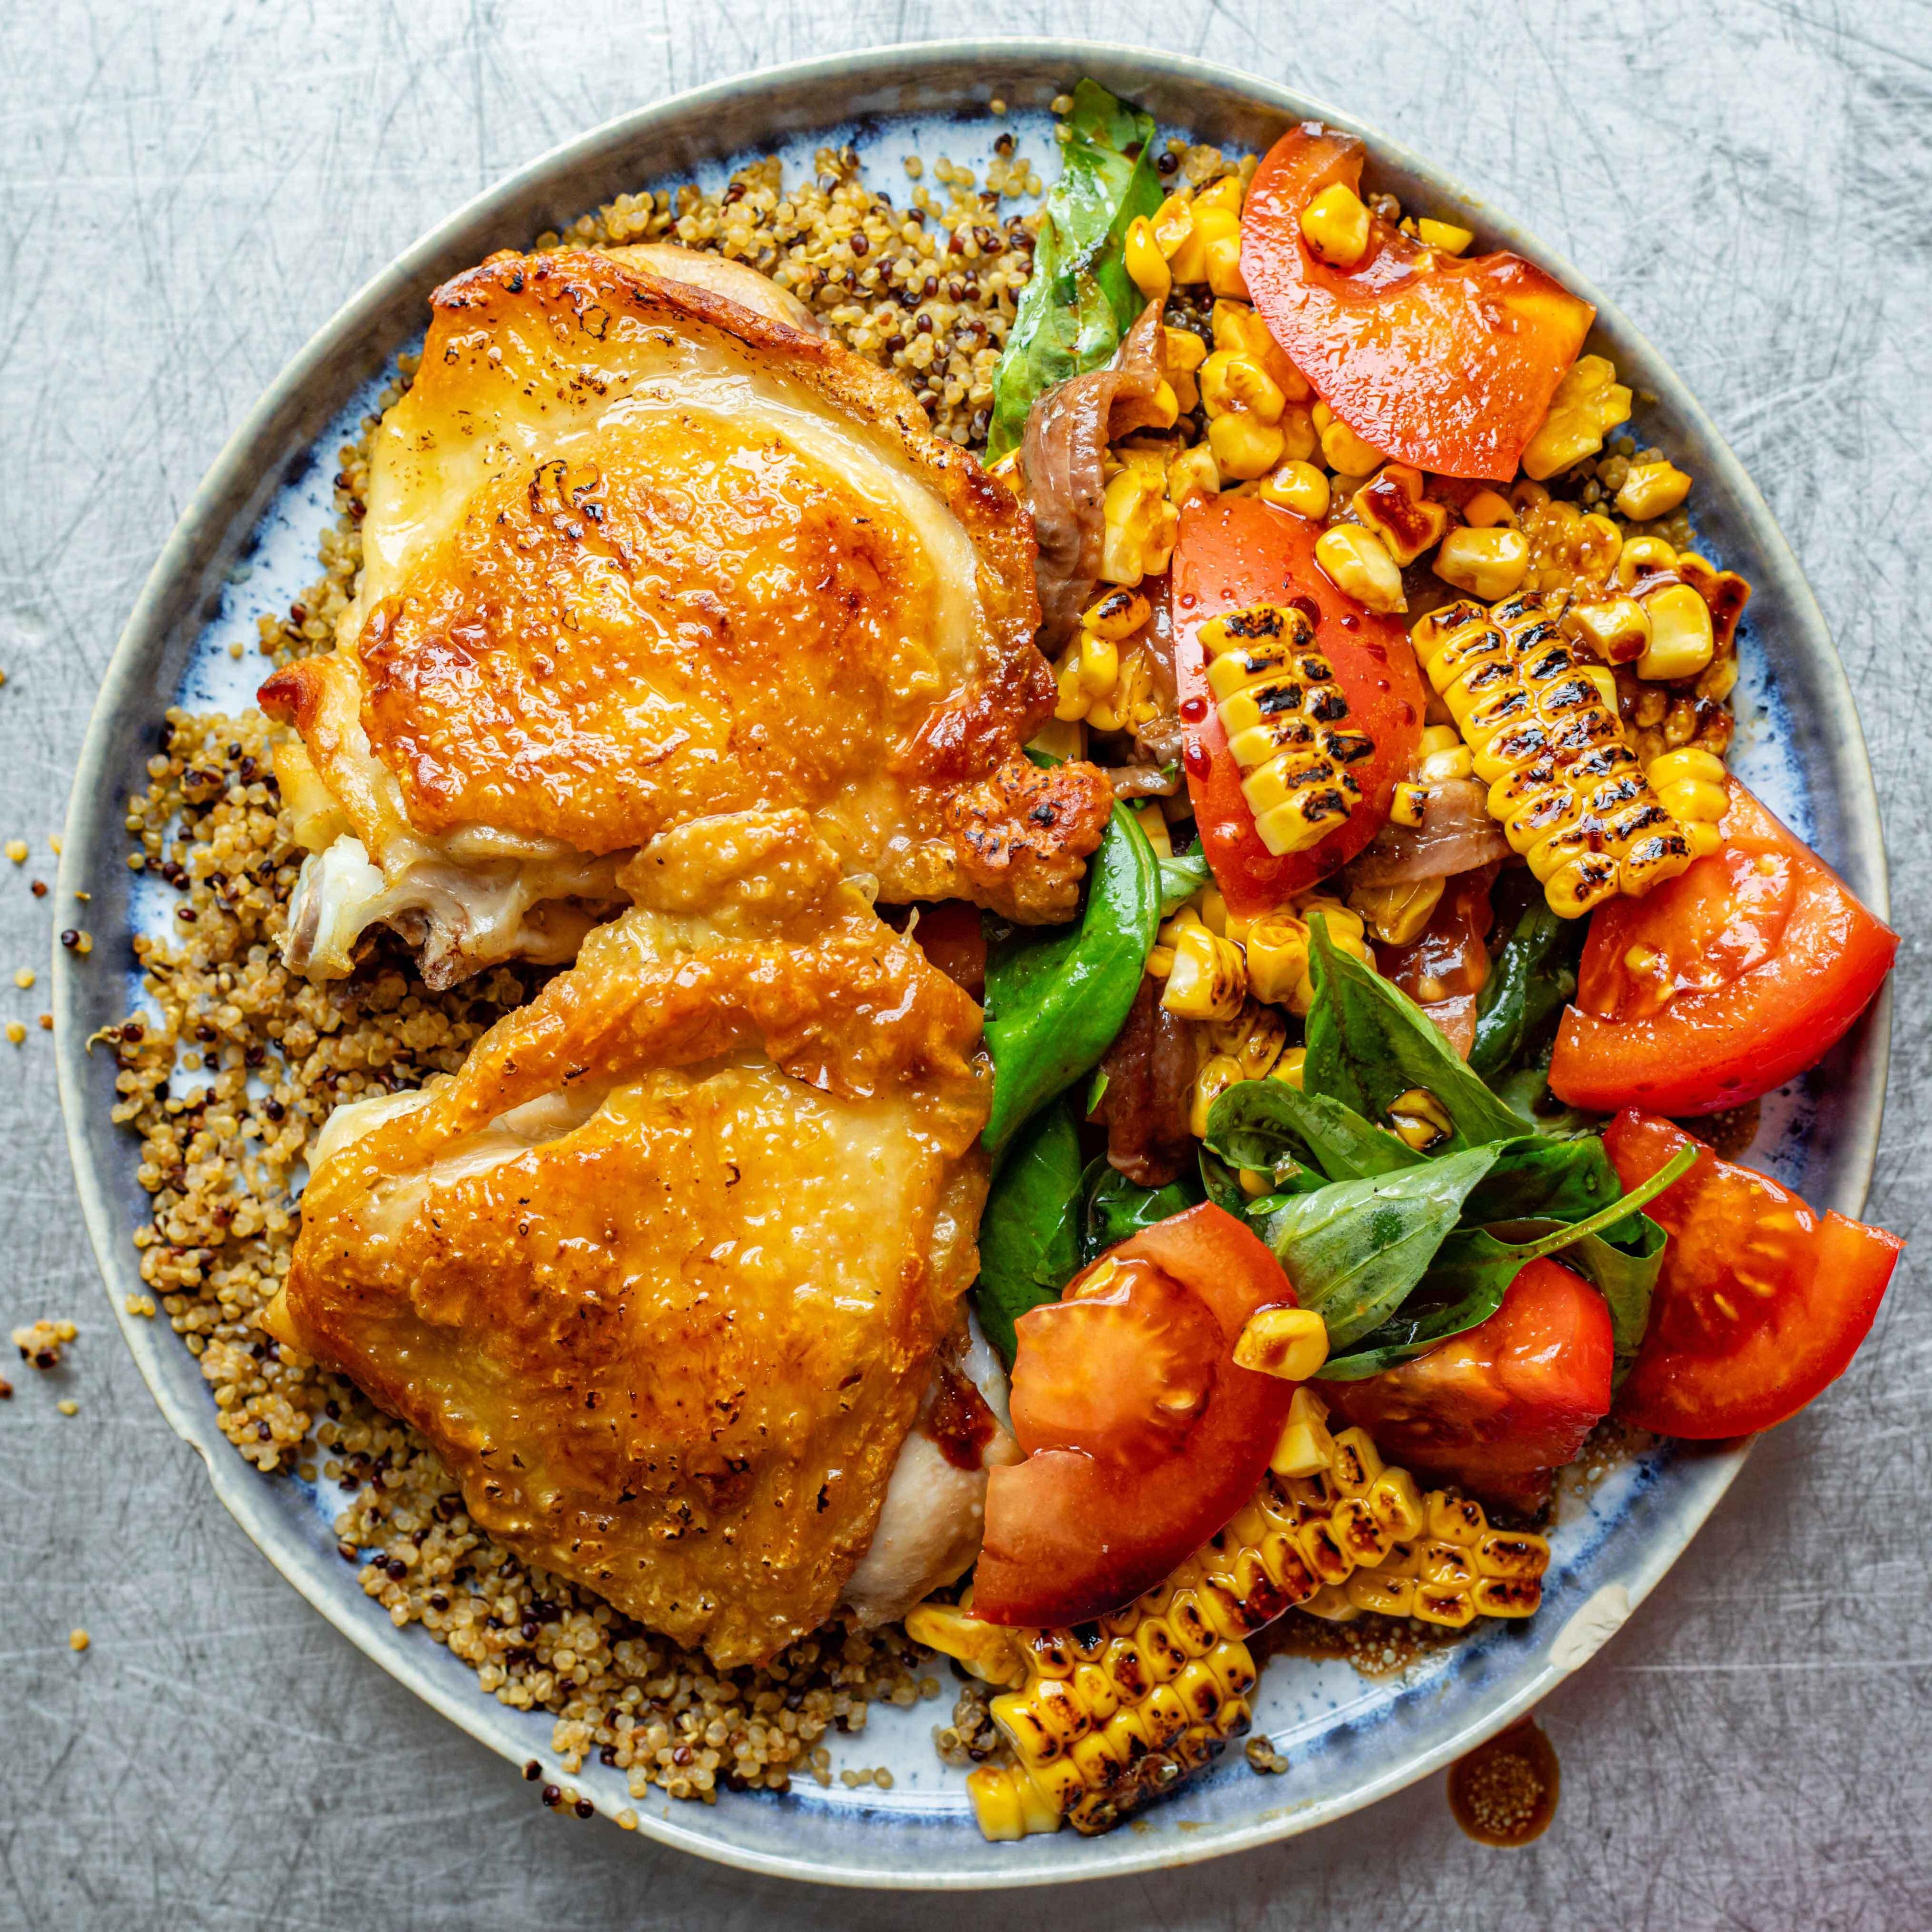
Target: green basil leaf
[
  {"x": 1117, "y": 1208},
  {"x": 1422, "y": 1321},
  {"x": 1529, "y": 980},
  {"x": 1056, "y": 996},
  {"x": 1181, "y": 877},
  {"x": 1078, "y": 302},
  {"x": 1562, "y": 1180},
  {"x": 1369, "y": 1043},
  {"x": 1218, "y": 1179},
  {"x": 1355, "y": 1249},
  {"x": 1029, "y": 1234},
  {"x": 1271, "y": 1126}
]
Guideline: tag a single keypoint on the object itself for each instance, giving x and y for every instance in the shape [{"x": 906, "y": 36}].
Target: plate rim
[{"x": 207, "y": 524}]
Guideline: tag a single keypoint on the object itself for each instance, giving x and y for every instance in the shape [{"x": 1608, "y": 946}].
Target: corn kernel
[
  {"x": 1073, "y": 702},
  {"x": 1147, "y": 266},
  {"x": 1681, "y": 642},
  {"x": 1179, "y": 240},
  {"x": 1443, "y": 235},
  {"x": 1254, "y": 1039},
  {"x": 1277, "y": 954},
  {"x": 1099, "y": 664},
  {"x": 1209, "y": 978},
  {"x": 1290, "y": 1342},
  {"x": 1233, "y": 381},
  {"x": 1300, "y": 439},
  {"x": 1643, "y": 556},
  {"x": 1486, "y": 509},
  {"x": 1297, "y": 486},
  {"x": 1194, "y": 472},
  {"x": 1342, "y": 449},
  {"x": 1443, "y": 755},
  {"x": 1409, "y": 804},
  {"x": 1225, "y": 194},
  {"x": 1224, "y": 267},
  {"x": 1243, "y": 448},
  {"x": 1396, "y": 914},
  {"x": 1356, "y": 562},
  {"x": 1616, "y": 629},
  {"x": 1289, "y": 1069},
  {"x": 1588, "y": 403},
  {"x": 1489, "y": 564},
  {"x": 1652, "y": 490},
  {"x": 1185, "y": 351},
  {"x": 1391, "y": 503},
  {"x": 1335, "y": 224},
  {"x": 1116, "y": 616},
  {"x": 1419, "y": 1120},
  {"x": 1140, "y": 525},
  {"x": 1213, "y": 1080}
]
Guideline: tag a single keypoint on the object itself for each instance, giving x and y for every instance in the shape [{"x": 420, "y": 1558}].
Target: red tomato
[
  {"x": 1723, "y": 982},
  {"x": 1142, "y": 1435},
  {"x": 1234, "y": 550},
  {"x": 1447, "y": 365},
  {"x": 1498, "y": 1408},
  {"x": 1761, "y": 1302}
]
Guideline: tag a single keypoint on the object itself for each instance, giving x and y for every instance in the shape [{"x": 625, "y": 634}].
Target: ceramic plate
[{"x": 247, "y": 543}]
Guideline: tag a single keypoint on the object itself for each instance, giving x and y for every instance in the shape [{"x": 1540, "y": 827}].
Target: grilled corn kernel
[
  {"x": 1392, "y": 505},
  {"x": 1565, "y": 783},
  {"x": 1300, "y": 439},
  {"x": 1617, "y": 629},
  {"x": 1074, "y": 703},
  {"x": 1443, "y": 755},
  {"x": 1588, "y": 403},
  {"x": 1116, "y": 615},
  {"x": 1487, "y": 563},
  {"x": 1641, "y": 557},
  {"x": 1238, "y": 328},
  {"x": 1356, "y": 562},
  {"x": 1159, "y": 962},
  {"x": 1420, "y": 1120},
  {"x": 1178, "y": 239},
  {"x": 1243, "y": 447},
  {"x": 1226, "y": 194},
  {"x": 1217, "y": 1074},
  {"x": 1299, "y": 487},
  {"x": 1208, "y": 979},
  {"x": 1652, "y": 490},
  {"x": 1486, "y": 510},
  {"x": 1099, "y": 664},
  {"x": 1253, "y": 1038},
  {"x": 1443, "y": 235},
  {"x": 988, "y": 1650},
  {"x": 1305, "y": 1446},
  {"x": 1146, "y": 265},
  {"x": 1277, "y": 952},
  {"x": 1290, "y": 1342},
  {"x": 1234, "y": 382},
  {"x": 1289, "y": 1068},
  {"x": 1194, "y": 472},
  {"x": 1409, "y": 805},
  {"x": 1396, "y": 914},
  {"x": 1140, "y": 526},
  {"x": 1342, "y": 449},
  {"x": 1335, "y": 224},
  {"x": 1185, "y": 351},
  {"x": 1681, "y": 641},
  {"x": 1224, "y": 266}
]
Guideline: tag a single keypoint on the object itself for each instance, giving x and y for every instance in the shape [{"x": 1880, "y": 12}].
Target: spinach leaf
[
  {"x": 1181, "y": 876},
  {"x": 1369, "y": 1043},
  {"x": 1078, "y": 302},
  {"x": 1117, "y": 1208},
  {"x": 1271, "y": 1126},
  {"x": 1355, "y": 1249},
  {"x": 1056, "y": 997},
  {"x": 1561, "y": 1180},
  {"x": 1029, "y": 1235},
  {"x": 1529, "y": 980}
]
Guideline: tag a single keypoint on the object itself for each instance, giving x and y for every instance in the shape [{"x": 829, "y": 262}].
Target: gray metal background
[{"x": 186, "y": 192}]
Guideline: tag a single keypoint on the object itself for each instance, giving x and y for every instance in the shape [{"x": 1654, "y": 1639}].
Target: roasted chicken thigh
[
  {"x": 668, "y": 1272},
  {"x": 638, "y": 551}
]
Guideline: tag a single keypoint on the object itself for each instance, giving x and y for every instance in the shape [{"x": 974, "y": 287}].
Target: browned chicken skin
[
  {"x": 662, "y": 1272},
  {"x": 636, "y": 553}
]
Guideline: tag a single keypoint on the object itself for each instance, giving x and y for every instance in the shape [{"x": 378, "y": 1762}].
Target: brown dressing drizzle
[
  {"x": 1505, "y": 1791},
  {"x": 959, "y": 1422}
]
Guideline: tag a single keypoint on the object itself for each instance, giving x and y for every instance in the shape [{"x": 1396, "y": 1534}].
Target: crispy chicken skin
[
  {"x": 663, "y": 1271},
  {"x": 636, "y": 552}
]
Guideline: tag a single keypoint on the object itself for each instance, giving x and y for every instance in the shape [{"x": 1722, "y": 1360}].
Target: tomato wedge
[
  {"x": 1234, "y": 550},
  {"x": 1761, "y": 1303},
  {"x": 1447, "y": 365},
  {"x": 1142, "y": 1435},
  {"x": 1723, "y": 982},
  {"x": 1498, "y": 1408}
]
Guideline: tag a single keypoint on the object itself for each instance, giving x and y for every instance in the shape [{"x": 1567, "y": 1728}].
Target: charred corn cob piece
[
  {"x": 1103, "y": 1715},
  {"x": 1565, "y": 783},
  {"x": 1287, "y": 723}
]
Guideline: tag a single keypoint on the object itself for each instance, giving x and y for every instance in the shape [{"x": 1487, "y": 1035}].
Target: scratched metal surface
[{"x": 186, "y": 192}]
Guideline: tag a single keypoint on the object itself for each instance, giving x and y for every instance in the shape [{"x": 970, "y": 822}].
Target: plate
[{"x": 247, "y": 541}]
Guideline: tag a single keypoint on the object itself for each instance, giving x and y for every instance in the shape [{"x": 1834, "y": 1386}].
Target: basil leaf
[
  {"x": 1529, "y": 980},
  {"x": 1420, "y": 1323},
  {"x": 1270, "y": 1126},
  {"x": 1117, "y": 1208},
  {"x": 1369, "y": 1043},
  {"x": 1056, "y": 997},
  {"x": 1078, "y": 302},
  {"x": 1562, "y": 1180},
  {"x": 1526, "y": 1093},
  {"x": 1029, "y": 1235},
  {"x": 1217, "y": 1178},
  {"x": 1181, "y": 877},
  {"x": 1354, "y": 1249}
]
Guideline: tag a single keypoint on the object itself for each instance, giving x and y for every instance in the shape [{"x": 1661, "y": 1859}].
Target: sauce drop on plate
[{"x": 1505, "y": 1791}]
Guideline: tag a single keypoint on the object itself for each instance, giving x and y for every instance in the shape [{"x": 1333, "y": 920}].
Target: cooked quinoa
[
  {"x": 236, "y": 1063},
  {"x": 40, "y": 1343}
]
